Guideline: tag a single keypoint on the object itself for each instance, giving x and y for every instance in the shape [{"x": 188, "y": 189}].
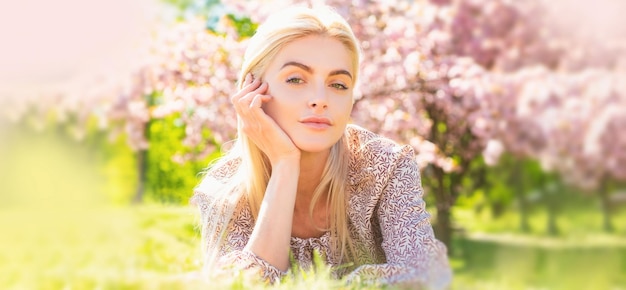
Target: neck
[{"x": 311, "y": 168}]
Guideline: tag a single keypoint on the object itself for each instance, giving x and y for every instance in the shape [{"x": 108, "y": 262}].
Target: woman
[{"x": 299, "y": 179}]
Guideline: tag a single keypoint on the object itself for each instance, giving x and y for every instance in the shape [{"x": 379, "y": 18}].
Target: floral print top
[{"x": 387, "y": 221}]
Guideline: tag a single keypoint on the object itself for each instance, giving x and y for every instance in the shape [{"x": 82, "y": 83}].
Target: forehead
[{"x": 318, "y": 52}]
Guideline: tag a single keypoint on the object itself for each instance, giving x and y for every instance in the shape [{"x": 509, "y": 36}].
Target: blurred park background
[{"x": 109, "y": 110}]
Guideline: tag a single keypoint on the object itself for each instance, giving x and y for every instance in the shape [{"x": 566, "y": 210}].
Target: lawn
[
  {"x": 57, "y": 232},
  {"x": 113, "y": 248},
  {"x": 156, "y": 247}
]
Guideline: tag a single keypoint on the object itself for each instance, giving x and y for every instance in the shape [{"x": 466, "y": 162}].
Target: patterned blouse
[{"x": 387, "y": 221}]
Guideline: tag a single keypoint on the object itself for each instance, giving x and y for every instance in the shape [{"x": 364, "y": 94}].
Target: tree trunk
[
  {"x": 141, "y": 175},
  {"x": 606, "y": 207},
  {"x": 520, "y": 193},
  {"x": 443, "y": 227},
  {"x": 551, "y": 197},
  {"x": 523, "y": 211},
  {"x": 552, "y": 227},
  {"x": 142, "y": 164}
]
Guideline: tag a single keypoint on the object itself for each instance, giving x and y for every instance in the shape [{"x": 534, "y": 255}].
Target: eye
[
  {"x": 339, "y": 86},
  {"x": 295, "y": 80}
]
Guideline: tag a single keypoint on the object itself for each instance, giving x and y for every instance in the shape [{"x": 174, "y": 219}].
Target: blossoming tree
[{"x": 462, "y": 82}]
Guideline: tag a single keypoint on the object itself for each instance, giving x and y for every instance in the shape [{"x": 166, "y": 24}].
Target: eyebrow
[{"x": 310, "y": 70}]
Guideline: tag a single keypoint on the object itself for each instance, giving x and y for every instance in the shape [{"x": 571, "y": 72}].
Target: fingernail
[{"x": 247, "y": 79}]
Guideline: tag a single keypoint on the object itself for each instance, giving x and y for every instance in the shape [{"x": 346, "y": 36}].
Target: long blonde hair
[{"x": 254, "y": 170}]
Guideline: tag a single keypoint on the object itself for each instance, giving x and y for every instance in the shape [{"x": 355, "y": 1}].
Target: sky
[{"x": 49, "y": 42}]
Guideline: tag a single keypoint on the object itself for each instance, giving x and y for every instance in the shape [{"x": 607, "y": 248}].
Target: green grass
[
  {"x": 573, "y": 221},
  {"x": 157, "y": 247},
  {"x": 59, "y": 231},
  {"x": 94, "y": 248},
  {"x": 494, "y": 253},
  {"x": 495, "y": 262},
  {"x": 143, "y": 247}
]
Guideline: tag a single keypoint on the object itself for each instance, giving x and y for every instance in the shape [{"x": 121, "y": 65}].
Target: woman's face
[{"x": 311, "y": 82}]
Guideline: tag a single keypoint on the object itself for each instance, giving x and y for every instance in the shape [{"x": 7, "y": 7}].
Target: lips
[
  {"x": 316, "y": 123},
  {"x": 316, "y": 120}
]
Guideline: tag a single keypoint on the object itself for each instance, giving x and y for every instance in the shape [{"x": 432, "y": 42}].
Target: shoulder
[
  {"x": 374, "y": 154},
  {"x": 217, "y": 181},
  {"x": 364, "y": 144},
  {"x": 224, "y": 169},
  {"x": 379, "y": 170}
]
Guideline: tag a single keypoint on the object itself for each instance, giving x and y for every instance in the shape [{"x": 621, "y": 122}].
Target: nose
[
  {"x": 320, "y": 99},
  {"x": 318, "y": 104}
]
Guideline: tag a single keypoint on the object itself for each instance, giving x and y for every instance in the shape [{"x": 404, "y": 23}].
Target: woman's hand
[
  {"x": 260, "y": 127},
  {"x": 271, "y": 235}
]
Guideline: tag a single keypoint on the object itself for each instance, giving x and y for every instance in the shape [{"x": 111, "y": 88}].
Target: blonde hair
[{"x": 254, "y": 170}]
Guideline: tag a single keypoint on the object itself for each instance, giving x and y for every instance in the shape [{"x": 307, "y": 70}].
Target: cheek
[
  {"x": 276, "y": 107},
  {"x": 271, "y": 109},
  {"x": 345, "y": 109}
]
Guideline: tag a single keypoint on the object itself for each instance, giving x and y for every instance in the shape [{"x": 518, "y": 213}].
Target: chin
[
  {"x": 314, "y": 145},
  {"x": 314, "y": 148}
]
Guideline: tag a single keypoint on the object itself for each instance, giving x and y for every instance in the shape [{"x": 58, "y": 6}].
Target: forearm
[{"x": 270, "y": 238}]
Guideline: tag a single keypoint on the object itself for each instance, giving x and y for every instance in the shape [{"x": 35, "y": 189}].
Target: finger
[
  {"x": 262, "y": 88},
  {"x": 250, "y": 86},
  {"x": 254, "y": 120},
  {"x": 256, "y": 114},
  {"x": 253, "y": 108},
  {"x": 253, "y": 82},
  {"x": 248, "y": 110},
  {"x": 244, "y": 101},
  {"x": 258, "y": 101}
]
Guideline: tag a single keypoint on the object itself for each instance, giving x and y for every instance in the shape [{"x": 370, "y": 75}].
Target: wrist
[{"x": 290, "y": 162}]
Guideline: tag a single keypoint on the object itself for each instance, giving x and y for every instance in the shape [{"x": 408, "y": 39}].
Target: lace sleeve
[
  {"x": 414, "y": 256},
  {"x": 224, "y": 246}
]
